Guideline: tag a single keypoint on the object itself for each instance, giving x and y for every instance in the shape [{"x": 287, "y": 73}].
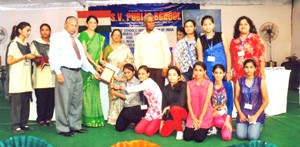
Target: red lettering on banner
[
  {"x": 167, "y": 16},
  {"x": 176, "y": 15},
  {"x": 155, "y": 15},
  {"x": 158, "y": 16},
  {"x": 112, "y": 17},
  {"x": 134, "y": 16},
  {"x": 128, "y": 16},
  {"x": 119, "y": 16},
  {"x": 161, "y": 16}
]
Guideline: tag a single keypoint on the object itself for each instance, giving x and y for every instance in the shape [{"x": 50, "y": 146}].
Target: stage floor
[{"x": 282, "y": 130}]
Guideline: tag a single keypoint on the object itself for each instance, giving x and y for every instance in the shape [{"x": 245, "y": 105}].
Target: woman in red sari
[{"x": 246, "y": 43}]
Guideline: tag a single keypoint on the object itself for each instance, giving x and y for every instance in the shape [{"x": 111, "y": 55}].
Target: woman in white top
[
  {"x": 43, "y": 78},
  {"x": 151, "y": 122},
  {"x": 186, "y": 51},
  {"x": 20, "y": 88}
]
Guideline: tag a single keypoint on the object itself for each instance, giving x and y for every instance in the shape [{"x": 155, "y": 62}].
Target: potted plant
[{"x": 293, "y": 64}]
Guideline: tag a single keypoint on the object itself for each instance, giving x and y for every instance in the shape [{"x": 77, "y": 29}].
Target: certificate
[
  {"x": 107, "y": 75},
  {"x": 112, "y": 67}
]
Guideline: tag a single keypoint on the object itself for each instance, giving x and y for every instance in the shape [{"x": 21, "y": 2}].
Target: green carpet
[{"x": 281, "y": 130}]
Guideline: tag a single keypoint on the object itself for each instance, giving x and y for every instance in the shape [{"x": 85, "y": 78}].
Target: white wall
[
  {"x": 54, "y": 17},
  {"x": 295, "y": 29},
  {"x": 278, "y": 14}
]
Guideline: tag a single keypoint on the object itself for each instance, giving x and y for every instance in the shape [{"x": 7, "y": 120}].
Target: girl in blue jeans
[{"x": 251, "y": 99}]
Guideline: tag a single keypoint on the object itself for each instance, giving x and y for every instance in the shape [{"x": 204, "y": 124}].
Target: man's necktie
[{"x": 75, "y": 47}]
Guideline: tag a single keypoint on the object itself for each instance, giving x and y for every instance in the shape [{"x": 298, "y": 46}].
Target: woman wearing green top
[{"x": 92, "y": 42}]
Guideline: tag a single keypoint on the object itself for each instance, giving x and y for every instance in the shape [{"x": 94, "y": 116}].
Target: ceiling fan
[{"x": 269, "y": 32}]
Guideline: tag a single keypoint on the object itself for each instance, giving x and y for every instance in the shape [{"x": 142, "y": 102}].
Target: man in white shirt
[
  {"x": 152, "y": 49},
  {"x": 67, "y": 58}
]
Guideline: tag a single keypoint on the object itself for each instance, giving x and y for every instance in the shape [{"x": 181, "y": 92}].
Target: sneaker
[
  {"x": 212, "y": 131},
  {"x": 179, "y": 135},
  {"x": 27, "y": 128},
  {"x": 18, "y": 131}
]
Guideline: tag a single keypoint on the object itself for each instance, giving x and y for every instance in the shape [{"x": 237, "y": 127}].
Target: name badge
[
  {"x": 248, "y": 106},
  {"x": 251, "y": 122},
  {"x": 241, "y": 53},
  {"x": 144, "y": 107},
  {"x": 211, "y": 58}
]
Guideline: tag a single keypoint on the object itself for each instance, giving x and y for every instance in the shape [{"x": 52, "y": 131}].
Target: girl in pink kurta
[
  {"x": 199, "y": 92},
  {"x": 151, "y": 122}
]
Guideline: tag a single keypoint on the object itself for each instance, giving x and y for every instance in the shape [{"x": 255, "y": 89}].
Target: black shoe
[
  {"x": 79, "y": 131},
  {"x": 27, "y": 128},
  {"x": 66, "y": 134},
  {"x": 18, "y": 131}
]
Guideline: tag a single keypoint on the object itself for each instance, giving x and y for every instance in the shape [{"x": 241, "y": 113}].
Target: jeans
[{"x": 248, "y": 131}]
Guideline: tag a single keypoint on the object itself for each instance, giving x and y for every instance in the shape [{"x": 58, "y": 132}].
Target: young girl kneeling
[
  {"x": 132, "y": 111},
  {"x": 174, "y": 104},
  {"x": 251, "y": 99},
  {"x": 199, "y": 92},
  {"x": 150, "y": 123},
  {"x": 222, "y": 102}
]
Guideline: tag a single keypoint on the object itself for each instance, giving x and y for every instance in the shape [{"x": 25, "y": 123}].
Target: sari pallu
[
  {"x": 115, "y": 56},
  {"x": 92, "y": 115}
]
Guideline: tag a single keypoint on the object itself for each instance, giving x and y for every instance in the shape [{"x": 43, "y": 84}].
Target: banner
[
  {"x": 129, "y": 19},
  {"x": 129, "y": 34}
]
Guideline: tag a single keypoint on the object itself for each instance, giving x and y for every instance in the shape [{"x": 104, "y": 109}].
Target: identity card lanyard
[
  {"x": 248, "y": 95},
  {"x": 242, "y": 52},
  {"x": 190, "y": 53},
  {"x": 243, "y": 41},
  {"x": 211, "y": 44},
  {"x": 219, "y": 99},
  {"x": 125, "y": 90},
  {"x": 211, "y": 58}
]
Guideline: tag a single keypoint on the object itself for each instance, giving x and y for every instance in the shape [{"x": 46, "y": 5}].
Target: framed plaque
[{"x": 107, "y": 75}]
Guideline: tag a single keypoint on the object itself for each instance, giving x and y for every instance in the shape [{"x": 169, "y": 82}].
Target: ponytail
[{"x": 15, "y": 30}]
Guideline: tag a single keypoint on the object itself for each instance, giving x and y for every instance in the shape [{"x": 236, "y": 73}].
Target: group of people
[
  {"x": 197, "y": 99},
  {"x": 28, "y": 69}
]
